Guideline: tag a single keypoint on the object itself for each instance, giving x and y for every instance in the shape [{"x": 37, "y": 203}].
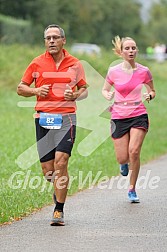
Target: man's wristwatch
[{"x": 150, "y": 97}]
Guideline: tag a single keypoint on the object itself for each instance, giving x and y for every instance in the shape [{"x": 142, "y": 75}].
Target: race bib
[{"x": 50, "y": 121}]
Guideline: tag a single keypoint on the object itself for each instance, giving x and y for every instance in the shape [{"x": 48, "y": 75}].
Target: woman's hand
[
  {"x": 108, "y": 95},
  {"x": 147, "y": 97}
]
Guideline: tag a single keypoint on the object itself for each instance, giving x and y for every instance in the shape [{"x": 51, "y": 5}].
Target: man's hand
[
  {"x": 43, "y": 90},
  {"x": 25, "y": 90},
  {"x": 69, "y": 95}
]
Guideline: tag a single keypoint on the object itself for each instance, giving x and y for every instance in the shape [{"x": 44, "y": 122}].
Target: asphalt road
[{"x": 100, "y": 219}]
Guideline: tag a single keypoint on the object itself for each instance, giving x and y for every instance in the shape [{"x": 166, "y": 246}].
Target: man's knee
[
  {"x": 134, "y": 153},
  {"x": 122, "y": 159},
  {"x": 61, "y": 161},
  {"x": 48, "y": 171}
]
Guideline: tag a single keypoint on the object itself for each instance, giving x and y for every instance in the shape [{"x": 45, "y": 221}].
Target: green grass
[{"x": 18, "y": 134}]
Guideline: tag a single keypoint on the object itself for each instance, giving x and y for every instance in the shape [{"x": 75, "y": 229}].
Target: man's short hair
[{"x": 62, "y": 33}]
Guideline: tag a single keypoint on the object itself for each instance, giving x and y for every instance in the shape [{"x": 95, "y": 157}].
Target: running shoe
[
  {"x": 133, "y": 197},
  {"x": 124, "y": 169},
  {"x": 58, "y": 219}
]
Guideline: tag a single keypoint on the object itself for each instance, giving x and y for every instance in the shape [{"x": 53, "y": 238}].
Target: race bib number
[{"x": 50, "y": 121}]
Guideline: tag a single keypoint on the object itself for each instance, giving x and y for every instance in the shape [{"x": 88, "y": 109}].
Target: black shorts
[
  {"x": 120, "y": 127},
  {"x": 51, "y": 140}
]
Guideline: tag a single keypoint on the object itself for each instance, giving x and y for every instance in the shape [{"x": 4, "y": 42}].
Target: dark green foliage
[
  {"x": 92, "y": 21},
  {"x": 14, "y": 30}
]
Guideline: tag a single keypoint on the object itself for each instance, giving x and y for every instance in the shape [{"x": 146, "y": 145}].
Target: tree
[
  {"x": 93, "y": 21},
  {"x": 17, "y": 9},
  {"x": 157, "y": 23}
]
